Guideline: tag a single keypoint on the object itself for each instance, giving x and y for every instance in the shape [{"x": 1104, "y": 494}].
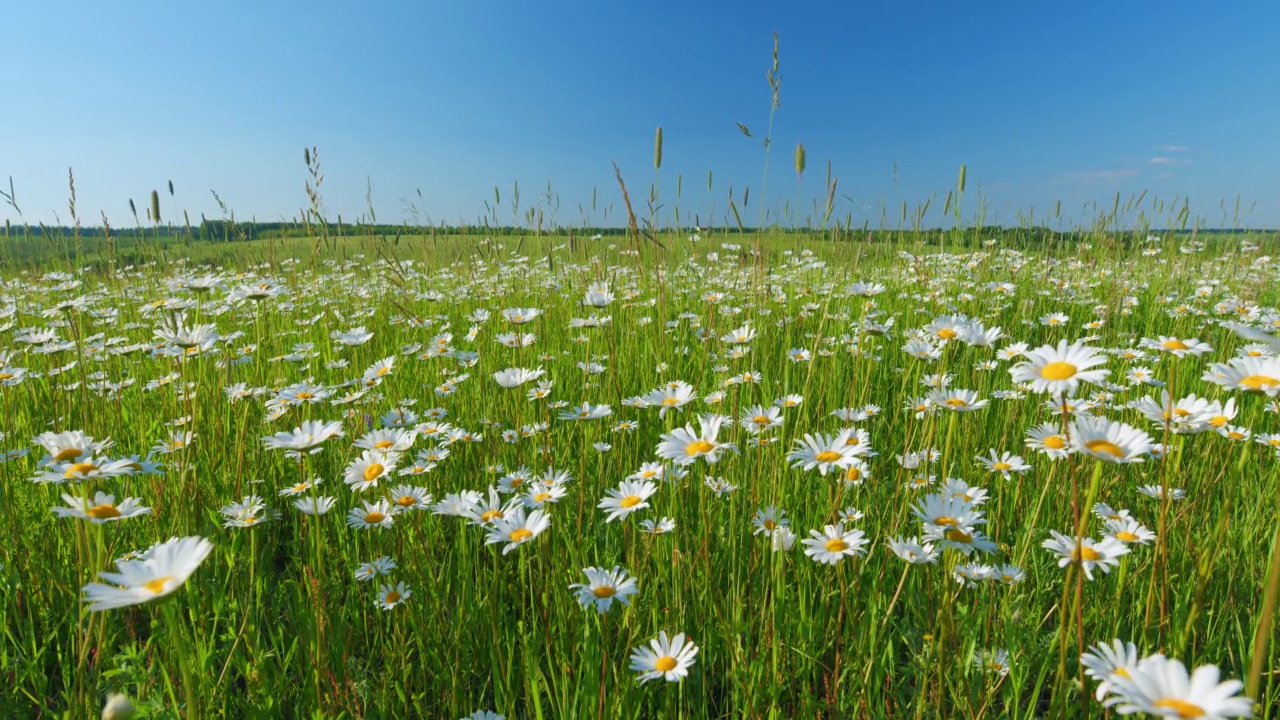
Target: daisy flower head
[
  {"x": 1060, "y": 370},
  {"x": 1250, "y": 374},
  {"x": 769, "y": 520},
  {"x": 1109, "y": 441},
  {"x": 825, "y": 452},
  {"x": 102, "y": 508},
  {"x": 630, "y": 496},
  {"x": 520, "y": 316},
  {"x": 603, "y": 587},
  {"x": 389, "y": 596},
  {"x": 377, "y": 514},
  {"x": 306, "y": 438},
  {"x": 834, "y": 544},
  {"x": 1175, "y": 347},
  {"x": 683, "y": 446},
  {"x": 1089, "y": 553},
  {"x": 515, "y": 377},
  {"x": 1004, "y": 463},
  {"x": 957, "y": 400},
  {"x": 1107, "y": 660},
  {"x": 993, "y": 662},
  {"x": 1128, "y": 530},
  {"x": 913, "y": 551},
  {"x": 516, "y": 528},
  {"x": 375, "y": 568},
  {"x": 1049, "y": 439},
  {"x": 661, "y": 526},
  {"x": 373, "y": 465},
  {"x": 1162, "y": 687},
  {"x": 666, "y": 657},
  {"x": 159, "y": 571}
]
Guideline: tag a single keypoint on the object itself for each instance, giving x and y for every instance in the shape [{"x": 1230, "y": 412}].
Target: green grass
[{"x": 273, "y": 624}]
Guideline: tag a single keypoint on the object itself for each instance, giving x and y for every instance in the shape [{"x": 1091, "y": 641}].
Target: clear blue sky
[{"x": 1043, "y": 102}]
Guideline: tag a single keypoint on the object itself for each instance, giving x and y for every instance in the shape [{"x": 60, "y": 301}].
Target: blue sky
[{"x": 1043, "y": 102}]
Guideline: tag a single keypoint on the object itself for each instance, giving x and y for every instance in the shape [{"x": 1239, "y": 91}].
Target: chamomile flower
[
  {"x": 1107, "y": 660},
  {"x": 389, "y": 596},
  {"x": 375, "y": 568},
  {"x": 377, "y": 514},
  {"x": 1087, "y": 552},
  {"x": 834, "y": 544},
  {"x": 1060, "y": 370},
  {"x": 102, "y": 508},
  {"x": 515, "y": 528},
  {"x": 159, "y": 571},
  {"x": 825, "y": 452},
  {"x": 603, "y": 587},
  {"x": 627, "y": 498},
  {"x": 1005, "y": 463},
  {"x": 1161, "y": 686},
  {"x": 1109, "y": 441},
  {"x": 683, "y": 446},
  {"x": 666, "y": 657},
  {"x": 661, "y": 526}
]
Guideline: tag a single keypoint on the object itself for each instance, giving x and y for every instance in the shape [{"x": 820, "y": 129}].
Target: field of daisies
[{"x": 742, "y": 477}]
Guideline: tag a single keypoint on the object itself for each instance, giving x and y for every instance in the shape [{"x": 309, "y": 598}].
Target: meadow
[{"x": 444, "y": 477}]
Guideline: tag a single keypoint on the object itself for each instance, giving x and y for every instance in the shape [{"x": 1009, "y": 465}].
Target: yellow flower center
[
  {"x": 1183, "y": 708},
  {"x": 157, "y": 586},
  {"x": 666, "y": 663},
  {"x": 769, "y": 524},
  {"x": 853, "y": 473},
  {"x": 604, "y": 591},
  {"x": 541, "y": 497},
  {"x": 956, "y": 403},
  {"x": 1002, "y": 466},
  {"x": 946, "y": 333},
  {"x": 102, "y": 512},
  {"x": 372, "y": 472},
  {"x": 1123, "y": 673},
  {"x": 630, "y": 501},
  {"x": 836, "y": 545},
  {"x": 304, "y": 395},
  {"x": 521, "y": 534},
  {"x": 946, "y": 521},
  {"x": 68, "y": 454},
  {"x": 698, "y": 447},
  {"x": 383, "y": 370},
  {"x": 827, "y": 456},
  {"x": 1126, "y": 536},
  {"x": 300, "y": 487},
  {"x": 761, "y": 420},
  {"x": 1107, "y": 447},
  {"x": 392, "y": 597},
  {"x": 1086, "y": 554},
  {"x": 671, "y": 401},
  {"x": 1258, "y": 382},
  {"x": 1235, "y": 435},
  {"x": 1058, "y": 371},
  {"x": 80, "y": 469},
  {"x": 1055, "y": 442},
  {"x": 1218, "y": 421},
  {"x": 957, "y": 535},
  {"x": 383, "y": 444},
  {"x": 7, "y": 376},
  {"x": 374, "y": 518},
  {"x": 407, "y": 501},
  {"x": 1173, "y": 345},
  {"x": 490, "y": 515}
]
